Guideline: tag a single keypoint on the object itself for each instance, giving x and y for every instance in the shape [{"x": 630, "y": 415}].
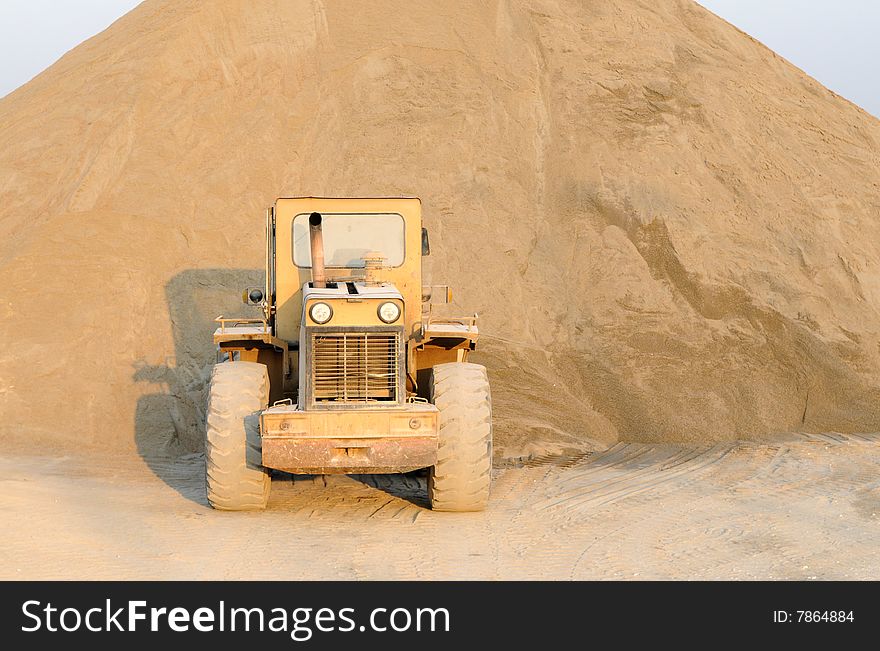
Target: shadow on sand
[
  {"x": 412, "y": 486},
  {"x": 169, "y": 425}
]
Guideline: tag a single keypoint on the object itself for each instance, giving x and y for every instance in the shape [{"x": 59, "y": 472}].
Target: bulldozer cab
[{"x": 356, "y": 233}]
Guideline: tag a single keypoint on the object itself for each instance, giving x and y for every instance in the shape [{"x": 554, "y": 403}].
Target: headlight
[
  {"x": 320, "y": 313},
  {"x": 389, "y": 312}
]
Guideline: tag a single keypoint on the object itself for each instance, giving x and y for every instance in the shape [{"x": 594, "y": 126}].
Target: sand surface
[
  {"x": 670, "y": 233},
  {"x": 799, "y": 507}
]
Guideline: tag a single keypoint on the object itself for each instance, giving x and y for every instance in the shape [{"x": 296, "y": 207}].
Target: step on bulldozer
[{"x": 347, "y": 370}]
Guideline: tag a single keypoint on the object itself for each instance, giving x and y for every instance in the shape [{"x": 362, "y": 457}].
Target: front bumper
[{"x": 350, "y": 441}]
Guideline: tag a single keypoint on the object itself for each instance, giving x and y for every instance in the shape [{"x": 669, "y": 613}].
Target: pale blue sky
[
  {"x": 835, "y": 41},
  {"x": 35, "y": 33}
]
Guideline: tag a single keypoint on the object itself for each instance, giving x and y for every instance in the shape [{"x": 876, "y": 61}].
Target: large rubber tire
[
  {"x": 234, "y": 476},
  {"x": 461, "y": 478}
]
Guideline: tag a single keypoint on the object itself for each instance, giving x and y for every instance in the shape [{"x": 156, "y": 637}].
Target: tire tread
[
  {"x": 461, "y": 478},
  {"x": 234, "y": 478}
]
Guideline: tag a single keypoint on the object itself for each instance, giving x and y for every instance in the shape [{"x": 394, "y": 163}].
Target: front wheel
[
  {"x": 235, "y": 478},
  {"x": 460, "y": 479}
]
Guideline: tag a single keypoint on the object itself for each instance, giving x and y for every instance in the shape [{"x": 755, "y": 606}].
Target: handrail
[
  {"x": 467, "y": 321},
  {"x": 226, "y": 322}
]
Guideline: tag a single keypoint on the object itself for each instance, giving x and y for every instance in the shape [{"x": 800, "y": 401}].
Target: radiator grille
[{"x": 355, "y": 367}]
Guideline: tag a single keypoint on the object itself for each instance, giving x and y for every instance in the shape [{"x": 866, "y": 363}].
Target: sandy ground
[{"x": 797, "y": 508}]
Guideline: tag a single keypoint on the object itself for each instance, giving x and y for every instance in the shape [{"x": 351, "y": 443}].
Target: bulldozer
[{"x": 347, "y": 370}]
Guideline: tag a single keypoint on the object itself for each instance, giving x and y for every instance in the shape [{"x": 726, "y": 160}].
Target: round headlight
[
  {"x": 389, "y": 312},
  {"x": 320, "y": 313}
]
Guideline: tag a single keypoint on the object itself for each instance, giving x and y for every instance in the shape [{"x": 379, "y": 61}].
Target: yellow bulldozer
[{"x": 348, "y": 370}]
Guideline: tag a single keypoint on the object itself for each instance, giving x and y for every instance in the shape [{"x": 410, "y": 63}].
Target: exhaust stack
[{"x": 316, "y": 240}]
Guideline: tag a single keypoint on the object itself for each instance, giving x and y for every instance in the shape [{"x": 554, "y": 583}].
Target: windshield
[{"x": 348, "y": 237}]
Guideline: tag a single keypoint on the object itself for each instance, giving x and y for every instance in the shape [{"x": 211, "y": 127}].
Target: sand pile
[{"x": 669, "y": 231}]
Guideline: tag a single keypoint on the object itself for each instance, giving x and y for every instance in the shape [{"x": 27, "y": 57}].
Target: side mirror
[
  {"x": 252, "y": 296},
  {"x": 426, "y": 245},
  {"x": 436, "y": 294}
]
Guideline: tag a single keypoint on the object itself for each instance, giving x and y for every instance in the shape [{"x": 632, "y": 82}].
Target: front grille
[{"x": 355, "y": 367}]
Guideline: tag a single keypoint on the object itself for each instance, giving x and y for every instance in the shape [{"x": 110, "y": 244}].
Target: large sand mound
[{"x": 670, "y": 232}]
